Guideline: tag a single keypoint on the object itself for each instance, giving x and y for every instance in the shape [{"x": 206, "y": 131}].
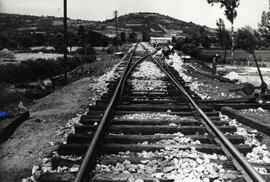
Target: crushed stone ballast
[{"x": 145, "y": 129}]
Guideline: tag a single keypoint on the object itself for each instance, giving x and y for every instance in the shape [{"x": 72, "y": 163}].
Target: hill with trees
[
  {"x": 23, "y": 31},
  {"x": 153, "y": 24}
]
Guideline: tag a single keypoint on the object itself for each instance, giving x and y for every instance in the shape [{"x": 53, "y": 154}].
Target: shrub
[{"x": 33, "y": 70}]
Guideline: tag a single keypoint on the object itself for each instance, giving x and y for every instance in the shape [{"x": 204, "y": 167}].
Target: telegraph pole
[
  {"x": 115, "y": 18},
  {"x": 124, "y": 24},
  {"x": 65, "y": 39}
]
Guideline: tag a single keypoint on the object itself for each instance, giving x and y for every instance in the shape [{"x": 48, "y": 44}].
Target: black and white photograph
[{"x": 134, "y": 90}]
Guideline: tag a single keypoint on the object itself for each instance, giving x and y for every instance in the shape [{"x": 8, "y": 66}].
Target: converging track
[{"x": 148, "y": 127}]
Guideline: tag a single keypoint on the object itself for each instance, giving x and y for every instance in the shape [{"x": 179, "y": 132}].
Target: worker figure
[
  {"x": 167, "y": 51},
  {"x": 214, "y": 64}
]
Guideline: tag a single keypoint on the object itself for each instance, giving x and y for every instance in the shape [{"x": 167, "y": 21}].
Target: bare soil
[
  {"x": 39, "y": 136},
  {"x": 36, "y": 138},
  {"x": 259, "y": 115},
  {"x": 215, "y": 88}
]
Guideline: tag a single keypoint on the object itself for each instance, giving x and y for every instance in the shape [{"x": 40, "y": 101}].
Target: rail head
[
  {"x": 249, "y": 170},
  {"x": 88, "y": 162}
]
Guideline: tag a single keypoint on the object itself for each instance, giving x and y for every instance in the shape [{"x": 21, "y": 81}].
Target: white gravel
[
  {"x": 260, "y": 153},
  {"x": 100, "y": 87},
  {"x": 175, "y": 164},
  {"x": 154, "y": 116},
  {"x": 178, "y": 64},
  {"x": 148, "y": 70},
  {"x": 147, "y": 77}
]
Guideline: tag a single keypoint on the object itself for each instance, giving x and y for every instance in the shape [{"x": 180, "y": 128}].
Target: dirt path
[
  {"x": 38, "y": 137},
  {"x": 35, "y": 139}
]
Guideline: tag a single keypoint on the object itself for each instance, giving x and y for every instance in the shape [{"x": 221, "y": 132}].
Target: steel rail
[
  {"x": 88, "y": 161},
  {"x": 254, "y": 175},
  {"x": 132, "y": 67}
]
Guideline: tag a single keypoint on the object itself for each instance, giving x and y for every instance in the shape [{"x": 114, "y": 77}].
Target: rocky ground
[
  {"x": 211, "y": 89},
  {"x": 206, "y": 87},
  {"x": 51, "y": 119},
  {"x": 260, "y": 115}
]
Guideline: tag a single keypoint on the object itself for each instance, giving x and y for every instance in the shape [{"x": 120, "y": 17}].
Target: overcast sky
[{"x": 197, "y": 11}]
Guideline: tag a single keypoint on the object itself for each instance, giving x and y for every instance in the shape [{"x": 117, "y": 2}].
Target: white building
[{"x": 160, "y": 40}]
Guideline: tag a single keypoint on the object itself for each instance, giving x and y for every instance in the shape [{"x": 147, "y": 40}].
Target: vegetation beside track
[{"x": 33, "y": 70}]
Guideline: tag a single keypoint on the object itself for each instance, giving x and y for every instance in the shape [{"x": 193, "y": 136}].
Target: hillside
[{"x": 153, "y": 24}]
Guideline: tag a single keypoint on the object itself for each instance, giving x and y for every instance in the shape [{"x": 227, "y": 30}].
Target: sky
[{"x": 197, "y": 11}]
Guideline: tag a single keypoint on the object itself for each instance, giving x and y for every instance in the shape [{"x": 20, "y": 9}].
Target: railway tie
[{"x": 148, "y": 127}]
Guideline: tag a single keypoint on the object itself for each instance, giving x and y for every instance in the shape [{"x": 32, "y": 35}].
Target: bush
[
  {"x": 88, "y": 59},
  {"x": 191, "y": 49},
  {"x": 205, "y": 57},
  {"x": 89, "y": 50},
  {"x": 33, "y": 70}
]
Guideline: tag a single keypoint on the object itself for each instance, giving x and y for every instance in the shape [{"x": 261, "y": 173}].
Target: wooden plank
[
  {"x": 80, "y": 149},
  {"x": 220, "y": 78},
  {"x": 219, "y": 106},
  {"x": 251, "y": 122},
  {"x": 206, "y": 148},
  {"x": 128, "y": 139},
  {"x": 122, "y": 177},
  {"x": 150, "y": 129},
  {"x": 187, "y": 122}
]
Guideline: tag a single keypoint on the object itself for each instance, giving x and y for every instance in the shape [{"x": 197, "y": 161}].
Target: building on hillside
[
  {"x": 57, "y": 23},
  {"x": 211, "y": 30},
  {"x": 23, "y": 29},
  {"x": 160, "y": 40},
  {"x": 111, "y": 35},
  {"x": 215, "y": 46}
]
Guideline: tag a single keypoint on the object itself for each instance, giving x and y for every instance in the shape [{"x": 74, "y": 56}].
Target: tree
[
  {"x": 72, "y": 39},
  {"x": 230, "y": 13},
  {"x": 103, "y": 41},
  {"x": 247, "y": 41},
  {"x": 4, "y": 40},
  {"x": 96, "y": 39},
  {"x": 117, "y": 41},
  {"x": 174, "y": 39},
  {"x": 145, "y": 37},
  {"x": 205, "y": 41},
  {"x": 123, "y": 36},
  {"x": 264, "y": 27},
  {"x": 116, "y": 22},
  {"x": 223, "y": 36},
  {"x": 178, "y": 44},
  {"x": 132, "y": 37},
  {"x": 190, "y": 49},
  {"x": 82, "y": 37},
  {"x": 87, "y": 51},
  {"x": 58, "y": 42},
  {"x": 25, "y": 41},
  {"x": 38, "y": 39}
]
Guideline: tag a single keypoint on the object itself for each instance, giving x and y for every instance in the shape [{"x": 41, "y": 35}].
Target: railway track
[{"x": 149, "y": 128}]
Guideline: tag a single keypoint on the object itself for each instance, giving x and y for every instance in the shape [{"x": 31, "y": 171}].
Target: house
[
  {"x": 160, "y": 40},
  {"x": 110, "y": 35},
  {"x": 57, "y": 22}
]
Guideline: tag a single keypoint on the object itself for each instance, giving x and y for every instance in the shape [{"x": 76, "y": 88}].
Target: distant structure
[{"x": 160, "y": 40}]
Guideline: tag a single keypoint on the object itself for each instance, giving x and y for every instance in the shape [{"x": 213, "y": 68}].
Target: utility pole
[
  {"x": 233, "y": 42},
  {"x": 65, "y": 39},
  {"x": 124, "y": 24},
  {"x": 115, "y": 18}
]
